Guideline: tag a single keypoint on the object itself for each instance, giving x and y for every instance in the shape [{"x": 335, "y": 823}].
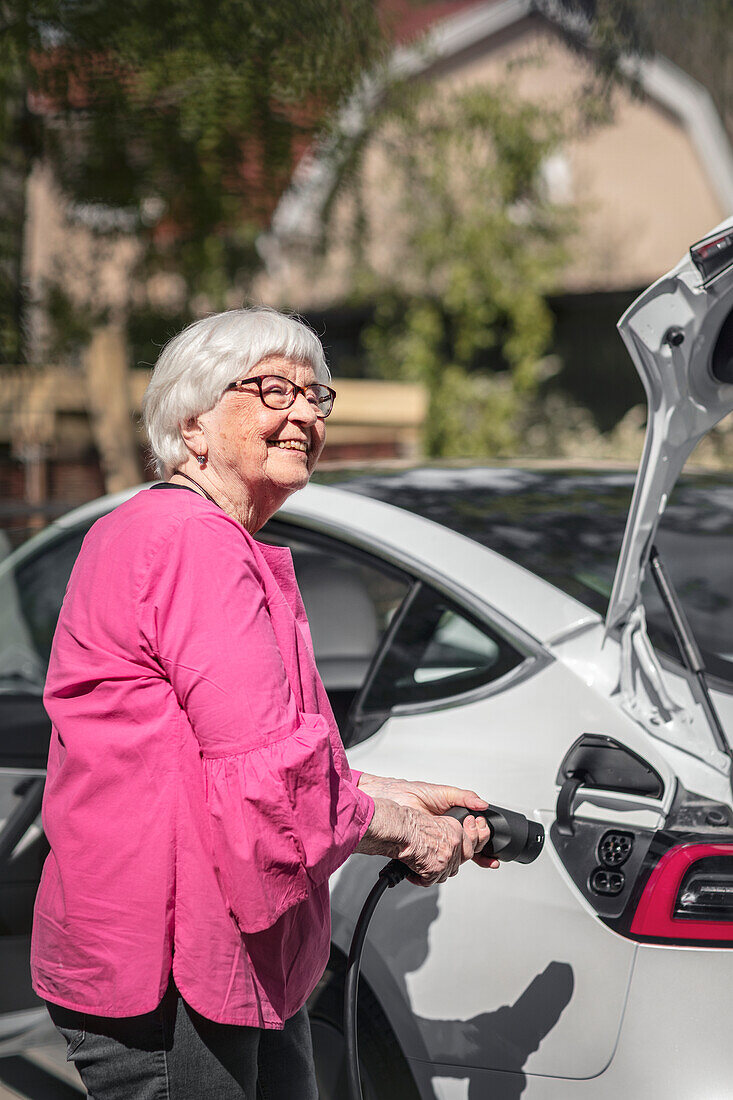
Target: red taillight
[
  {"x": 689, "y": 895},
  {"x": 712, "y": 255}
]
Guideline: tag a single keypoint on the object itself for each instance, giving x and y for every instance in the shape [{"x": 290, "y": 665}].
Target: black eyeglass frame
[{"x": 259, "y": 379}]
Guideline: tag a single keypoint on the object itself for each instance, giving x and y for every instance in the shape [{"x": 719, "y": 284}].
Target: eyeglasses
[{"x": 280, "y": 393}]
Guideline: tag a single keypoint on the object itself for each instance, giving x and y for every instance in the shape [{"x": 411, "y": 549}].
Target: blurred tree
[
  {"x": 697, "y": 36},
  {"x": 478, "y": 236},
  {"x": 475, "y": 247},
  {"x": 176, "y": 120}
]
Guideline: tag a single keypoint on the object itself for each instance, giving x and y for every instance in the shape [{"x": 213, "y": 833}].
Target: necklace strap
[{"x": 180, "y": 473}]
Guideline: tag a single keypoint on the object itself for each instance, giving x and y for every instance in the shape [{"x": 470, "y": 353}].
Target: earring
[{"x": 201, "y": 459}]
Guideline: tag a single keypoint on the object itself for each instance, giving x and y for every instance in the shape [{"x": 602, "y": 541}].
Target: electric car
[{"x": 469, "y": 628}]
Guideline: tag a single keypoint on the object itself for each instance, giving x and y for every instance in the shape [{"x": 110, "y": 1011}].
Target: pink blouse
[{"x": 198, "y": 795}]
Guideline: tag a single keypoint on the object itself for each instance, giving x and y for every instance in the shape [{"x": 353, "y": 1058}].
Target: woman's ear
[{"x": 193, "y": 436}]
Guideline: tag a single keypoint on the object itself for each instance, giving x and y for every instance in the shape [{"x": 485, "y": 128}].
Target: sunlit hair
[{"x": 196, "y": 366}]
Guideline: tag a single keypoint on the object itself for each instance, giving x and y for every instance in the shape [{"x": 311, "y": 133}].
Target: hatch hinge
[{"x": 645, "y": 697}]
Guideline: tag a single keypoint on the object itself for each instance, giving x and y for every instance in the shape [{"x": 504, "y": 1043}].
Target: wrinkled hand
[
  {"x": 434, "y": 799},
  {"x": 437, "y": 846},
  {"x": 430, "y": 798}
]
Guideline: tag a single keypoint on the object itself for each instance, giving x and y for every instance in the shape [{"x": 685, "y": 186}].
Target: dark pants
[{"x": 175, "y": 1054}]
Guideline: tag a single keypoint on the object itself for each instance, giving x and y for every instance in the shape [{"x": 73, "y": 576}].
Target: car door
[
  {"x": 510, "y": 970},
  {"x": 31, "y": 592}
]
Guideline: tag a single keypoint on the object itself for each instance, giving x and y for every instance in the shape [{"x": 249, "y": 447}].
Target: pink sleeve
[{"x": 284, "y": 810}]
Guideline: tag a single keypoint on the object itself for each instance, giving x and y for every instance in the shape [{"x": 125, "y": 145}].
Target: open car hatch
[{"x": 679, "y": 334}]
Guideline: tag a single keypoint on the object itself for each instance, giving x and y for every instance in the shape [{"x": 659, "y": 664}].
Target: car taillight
[
  {"x": 712, "y": 255},
  {"x": 688, "y": 895}
]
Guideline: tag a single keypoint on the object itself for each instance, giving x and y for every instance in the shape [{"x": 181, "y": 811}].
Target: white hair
[{"x": 196, "y": 366}]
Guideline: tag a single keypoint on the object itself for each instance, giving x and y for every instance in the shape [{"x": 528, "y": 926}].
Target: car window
[
  {"x": 438, "y": 651},
  {"x": 30, "y": 601},
  {"x": 350, "y": 600}
]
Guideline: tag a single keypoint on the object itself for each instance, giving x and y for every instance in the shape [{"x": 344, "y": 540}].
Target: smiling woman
[
  {"x": 198, "y": 794},
  {"x": 252, "y": 455}
]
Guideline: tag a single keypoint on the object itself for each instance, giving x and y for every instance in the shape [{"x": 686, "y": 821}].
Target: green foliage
[
  {"x": 697, "y": 35},
  {"x": 476, "y": 248},
  {"x": 149, "y": 329},
  {"x": 70, "y": 328},
  {"x": 187, "y": 116},
  {"x": 19, "y": 145},
  {"x": 609, "y": 28},
  {"x": 699, "y": 38}
]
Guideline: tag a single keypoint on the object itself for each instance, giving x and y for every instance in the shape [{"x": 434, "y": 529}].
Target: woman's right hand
[
  {"x": 432, "y": 846},
  {"x": 436, "y": 849}
]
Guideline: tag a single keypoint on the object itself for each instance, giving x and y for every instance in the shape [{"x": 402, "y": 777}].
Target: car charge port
[
  {"x": 607, "y": 882},
  {"x": 615, "y": 848}
]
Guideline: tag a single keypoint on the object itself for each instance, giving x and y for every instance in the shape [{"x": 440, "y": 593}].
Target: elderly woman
[{"x": 198, "y": 795}]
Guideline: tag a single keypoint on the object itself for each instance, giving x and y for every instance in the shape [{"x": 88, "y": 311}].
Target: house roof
[{"x": 298, "y": 214}]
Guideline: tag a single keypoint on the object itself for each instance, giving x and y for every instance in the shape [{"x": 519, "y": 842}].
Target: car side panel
[
  {"x": 672, "y": 1043},
  {"x": 508, "y": 969}
]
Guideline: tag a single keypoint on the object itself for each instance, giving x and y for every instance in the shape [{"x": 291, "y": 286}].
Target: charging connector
[{"x": 513, "y": 838}]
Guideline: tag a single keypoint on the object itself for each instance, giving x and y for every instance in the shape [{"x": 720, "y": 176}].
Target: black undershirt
[{"x": 170, "y": 485}]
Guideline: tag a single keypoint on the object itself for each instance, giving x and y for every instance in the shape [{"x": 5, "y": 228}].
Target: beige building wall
[{"x": 638, "y": 189}]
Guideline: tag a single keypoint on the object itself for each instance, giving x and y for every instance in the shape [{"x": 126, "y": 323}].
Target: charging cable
[{"x": 513, "y": 838}]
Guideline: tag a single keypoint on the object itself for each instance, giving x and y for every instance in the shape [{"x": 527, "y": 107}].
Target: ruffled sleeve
[
  {"x": 283, "y": 807},
  {"x": 281, "y": 821}
]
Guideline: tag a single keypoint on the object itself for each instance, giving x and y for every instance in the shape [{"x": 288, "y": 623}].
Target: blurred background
[{"x": 461, "y": 197}]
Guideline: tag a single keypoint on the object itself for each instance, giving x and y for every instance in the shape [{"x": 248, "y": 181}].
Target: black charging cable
[
  {"x": 392, "y": 873},
  {"x": 513, "y": 838}
]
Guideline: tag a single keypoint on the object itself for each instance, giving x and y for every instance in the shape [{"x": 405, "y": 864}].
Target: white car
[{"x": 605, "y": 968}]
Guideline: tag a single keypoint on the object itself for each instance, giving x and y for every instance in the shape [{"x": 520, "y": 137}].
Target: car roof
[
  {"x": 559, "y": 525},
  {"x": 447, "y": 559},
  {"x": 567, "y": 525}
]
